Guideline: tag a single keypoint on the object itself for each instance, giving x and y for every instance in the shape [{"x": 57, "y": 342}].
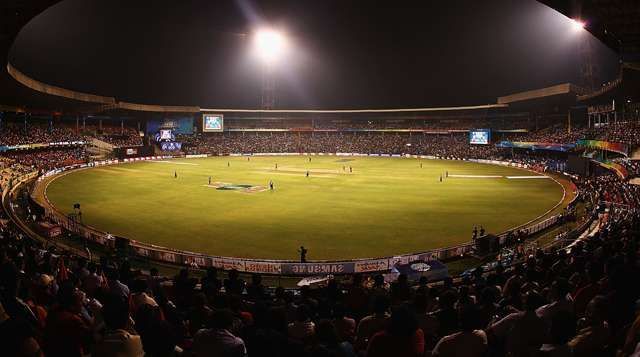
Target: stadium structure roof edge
[
  {"x": 387, "y": 110},
  {"x": 558, "y": 89},
  {"x": 107, "y": 103},
  {"x": 54, "y": 90},
  {"x": 111, "y": 103}
]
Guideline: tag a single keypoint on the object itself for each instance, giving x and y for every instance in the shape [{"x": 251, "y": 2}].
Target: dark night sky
[{"x": 344, "y": 53}]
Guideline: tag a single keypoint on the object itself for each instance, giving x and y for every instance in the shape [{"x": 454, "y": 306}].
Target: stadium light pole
[
  {"x": 586, "y": 59},
  {"x": 587, "y": 69},
  {"x": 270, "y": 46}
]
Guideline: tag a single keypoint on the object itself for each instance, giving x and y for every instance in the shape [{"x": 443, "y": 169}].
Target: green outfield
[{"x": 386, "y": 206}]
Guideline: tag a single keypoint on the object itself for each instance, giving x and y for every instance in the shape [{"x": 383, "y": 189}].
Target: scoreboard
[
  {"x": 479, "y": 136},
  {"x": 212, "y": 122}
]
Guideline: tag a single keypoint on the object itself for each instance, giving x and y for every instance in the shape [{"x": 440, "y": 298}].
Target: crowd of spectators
[
  {"x": 611, "y": 189},
  {"x": 131, "y": 138},
  {"x": 455, "y": 145},
  {"x": 628, "y": 133},
  {"x": 41, "y": 133},
  {"x": 380, "y": 143},
  {"x": 579, "y": 301},
  {"x": 559, "y": 135},
  {"x": 116, "y": 135},
  {"x": 42, "y": 160},
  {"x": 435, "y": 123},
  {"x": 13, "y": 134},
  {"x": 632, "y": 166}
]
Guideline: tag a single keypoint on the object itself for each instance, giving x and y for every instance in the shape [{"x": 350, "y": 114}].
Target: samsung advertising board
[
  {"x": 479, "y": 136},
  {"x": 212, "y": 122}
]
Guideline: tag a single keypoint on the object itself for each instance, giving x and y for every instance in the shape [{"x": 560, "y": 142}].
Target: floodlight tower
[
  {"x": 587, "y": 67},
  {"x": 270, "y": 45},
  {"x": 268, "y": 97}
]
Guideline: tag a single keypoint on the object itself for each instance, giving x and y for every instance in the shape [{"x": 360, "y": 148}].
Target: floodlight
[
  {"x": 577, "y": 24},
  {"x": 270, "y": 44}
]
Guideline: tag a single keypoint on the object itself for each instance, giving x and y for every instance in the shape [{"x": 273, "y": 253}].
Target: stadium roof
[
  {"x": 30, "y": 92},
  {"x": 626, "y": 88},
  {"x": 560, "y": 89}
]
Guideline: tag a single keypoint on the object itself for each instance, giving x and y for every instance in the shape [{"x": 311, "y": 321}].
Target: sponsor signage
[
  {"x": 318, "y": 268},
  {"x": 4, "y": 148},
  {"x": 228, "y": 263},
  {"x": 366, "y": 266},
  {"x": 620, "y": 148},
  {"x": 262, "y": 267}
]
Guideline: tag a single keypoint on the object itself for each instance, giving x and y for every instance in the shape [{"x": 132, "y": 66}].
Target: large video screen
[
  {"x": 212, "y": 122},
  {"x": 171, "y": 146},
  {"x": 165, "y": 135},
  {"x": 177, "y": 125},
  {"x": 479, "y": 136}
]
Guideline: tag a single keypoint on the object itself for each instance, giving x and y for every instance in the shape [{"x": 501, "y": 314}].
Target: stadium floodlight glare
[
  {"x": 270, "y": 44},
  {"x": 577, "y": 24}
]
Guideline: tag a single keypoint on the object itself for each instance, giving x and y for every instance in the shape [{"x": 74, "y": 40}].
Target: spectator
[
  {"x": 345, "y": 326},
  {"x": 218, "y": 340},
  {"x": 233, "y": 284},
  {"x": 328, "y": 344},
  {"x": 522, "y": 332},
  {"x": 446, "y": 315},
  {"x": 17, "y": 338},
  {"x": 119, "y": 339},
  {"x": 374, "y": 323},
  {"x": 561, "y": 301},
  {"x": 594, "y": 334},
  {"x": 302, "y": 329},
  {"x": 67, "y": 333},
  {"x": 115, "y": 286},
  {"x": 255, "y": 290},
  {"x": 402, "y": 337},
  {"x": 563, "y": 328},
  {"x": 468, "y": 342}
]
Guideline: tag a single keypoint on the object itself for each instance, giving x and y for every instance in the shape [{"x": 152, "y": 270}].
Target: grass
[{"x": 386, "y": 206}]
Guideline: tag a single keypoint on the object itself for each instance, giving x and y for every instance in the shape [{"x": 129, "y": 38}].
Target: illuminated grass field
[{"x": 386, "y": 206}]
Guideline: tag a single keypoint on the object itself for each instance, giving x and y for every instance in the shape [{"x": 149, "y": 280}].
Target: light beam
[
  {"x": 577, "y": 24},
  {"x": 270, "y": 44}
]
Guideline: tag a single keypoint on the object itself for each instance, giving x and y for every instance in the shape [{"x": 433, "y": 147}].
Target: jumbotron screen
[
  {"x": 479, "y": 136},
  {"x": 212, "y": 122},
  {"x": 165, "y": 135}
]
